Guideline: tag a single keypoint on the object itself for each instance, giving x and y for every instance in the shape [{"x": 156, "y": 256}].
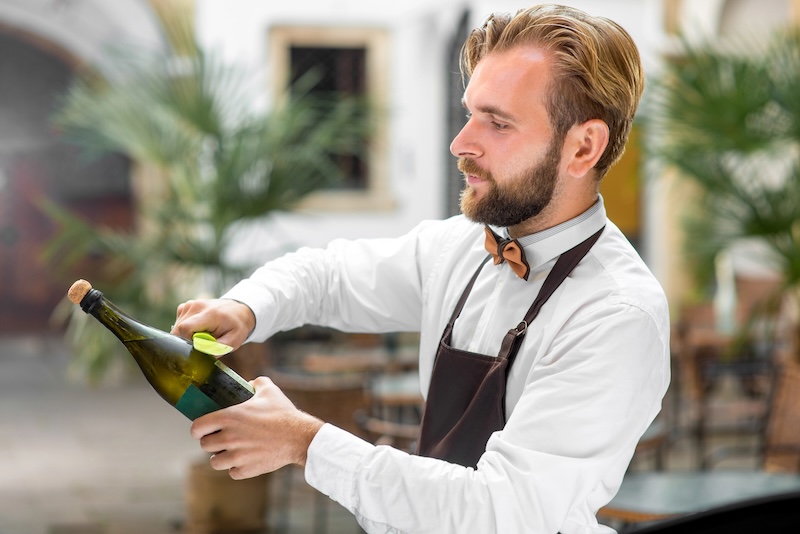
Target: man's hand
[
  {"x": 257, "y": 436},
  {"x": 229, "y": 321}
]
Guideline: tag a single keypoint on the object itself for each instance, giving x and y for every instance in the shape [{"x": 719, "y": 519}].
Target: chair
[
  {"x": 653, "y": 443},
  {"x": 401, "y": 436},
  {"x": 779, "y": 446},
  {"x": 395, "y": 410},
  {"x": 705, "y": 359},
  {"x": 774, "y": 513}
]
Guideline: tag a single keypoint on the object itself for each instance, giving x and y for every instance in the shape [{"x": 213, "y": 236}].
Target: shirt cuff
[{"x": 334, "y": 458}]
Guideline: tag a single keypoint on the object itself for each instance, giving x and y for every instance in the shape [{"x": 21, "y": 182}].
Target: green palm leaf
[{"x": 728, "y": 121}]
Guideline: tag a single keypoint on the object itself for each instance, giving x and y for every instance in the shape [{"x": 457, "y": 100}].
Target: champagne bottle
[{"x": 192, "y": 381}]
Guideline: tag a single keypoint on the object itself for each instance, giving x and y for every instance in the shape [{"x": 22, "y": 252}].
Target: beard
[{"x": 519, "y": 199}]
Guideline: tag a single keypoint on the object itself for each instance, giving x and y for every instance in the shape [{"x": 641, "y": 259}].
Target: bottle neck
[
  {"x": 91, "y": 299},
  {"x": 125, "y": 327}
]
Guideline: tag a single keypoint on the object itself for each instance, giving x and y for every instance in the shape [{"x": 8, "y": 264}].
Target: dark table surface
[{"x": 656, "y": 495}]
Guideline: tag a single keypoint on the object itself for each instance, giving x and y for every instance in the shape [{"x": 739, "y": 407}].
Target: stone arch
[{"x": 39, "y": 56}]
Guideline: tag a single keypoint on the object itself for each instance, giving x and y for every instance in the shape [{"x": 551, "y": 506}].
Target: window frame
[{"x": 376, "y": 196}]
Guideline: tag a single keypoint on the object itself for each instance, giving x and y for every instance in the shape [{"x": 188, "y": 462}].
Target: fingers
[
  {"x": 222, "y": 461},
  {"x": 205, "y": 426},
  {"x": 257, "y": 436},
  {"x": 229, "y": 321},
  {"x": 192, "y": 307},
  {"x": 261, "y": 382},
  {"x": 215, "y": 441},
  {"x": 227, "y": 454},
  {"x": 190, "y": 318},
  {"x": 237, "y": 473}
]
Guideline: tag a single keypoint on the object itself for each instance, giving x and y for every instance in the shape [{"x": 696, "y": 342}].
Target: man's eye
[
  {"x": 468, "y": 115},
  {"x": 499, "y": 126}
]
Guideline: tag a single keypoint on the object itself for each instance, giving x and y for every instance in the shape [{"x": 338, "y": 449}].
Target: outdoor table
[{"x": 649, "y": 496}]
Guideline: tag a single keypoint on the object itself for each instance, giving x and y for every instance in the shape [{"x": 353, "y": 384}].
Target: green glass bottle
[{"x": 194, "y": 382}]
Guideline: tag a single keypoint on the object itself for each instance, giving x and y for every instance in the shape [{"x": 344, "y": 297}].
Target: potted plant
[
  {"x": 207, "y": 162},
  {"x": 727, "y": 117}
]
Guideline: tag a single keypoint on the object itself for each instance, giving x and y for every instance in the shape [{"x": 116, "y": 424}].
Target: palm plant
[
  {"x": 729, "y": 121},
  {"x": 188, "y": 118}
]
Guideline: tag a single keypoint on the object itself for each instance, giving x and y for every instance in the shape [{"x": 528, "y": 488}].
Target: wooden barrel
[{"x": 217, "y": 504}]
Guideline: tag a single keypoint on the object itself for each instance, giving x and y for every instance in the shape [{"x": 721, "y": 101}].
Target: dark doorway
[{"x": 35, "y": 166}]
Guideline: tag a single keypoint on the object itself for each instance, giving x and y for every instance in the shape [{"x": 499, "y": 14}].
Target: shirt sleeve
[
  {"x": 560, "y": 457},
  {"x": 365, "y": 285}
]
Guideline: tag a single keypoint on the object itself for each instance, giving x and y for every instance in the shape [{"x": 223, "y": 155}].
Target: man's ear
[{"x": 584, "y": 145}]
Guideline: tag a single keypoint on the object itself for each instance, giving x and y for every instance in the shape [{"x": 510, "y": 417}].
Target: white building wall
[{"x": 418, "y": 38}]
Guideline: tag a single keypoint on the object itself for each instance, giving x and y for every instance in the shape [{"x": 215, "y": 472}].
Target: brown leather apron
[{"x": 466, "y": 397}]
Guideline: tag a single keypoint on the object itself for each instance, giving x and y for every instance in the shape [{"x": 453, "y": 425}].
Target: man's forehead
[
  {"x": 499, "y": 76},
  {"x": 520, "y": 55}
]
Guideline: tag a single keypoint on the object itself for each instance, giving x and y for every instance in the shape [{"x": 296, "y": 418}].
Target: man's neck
[{"x": 555, "y": 213}]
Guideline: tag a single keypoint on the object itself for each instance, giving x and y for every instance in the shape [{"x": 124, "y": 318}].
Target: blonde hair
[{"x": 597, "y": 71}]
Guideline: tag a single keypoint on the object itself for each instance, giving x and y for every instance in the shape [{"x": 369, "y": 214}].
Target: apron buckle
[{"x": 521, "y": 329}]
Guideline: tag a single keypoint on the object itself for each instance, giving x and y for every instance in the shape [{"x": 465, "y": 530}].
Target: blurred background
[{"x": 163, "y": 149}]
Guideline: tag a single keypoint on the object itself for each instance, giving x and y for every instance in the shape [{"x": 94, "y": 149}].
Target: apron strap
[
  {"x": 566, "y": 262},
  {"x": 561, "y": 270},
  {"x": 466, "y": 292}
]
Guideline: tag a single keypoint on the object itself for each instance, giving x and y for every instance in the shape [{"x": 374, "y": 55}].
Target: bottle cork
[{"x": 78, "y": 290}]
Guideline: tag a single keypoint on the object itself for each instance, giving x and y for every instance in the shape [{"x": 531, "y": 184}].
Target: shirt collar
[{"x": 541, "y": 247}]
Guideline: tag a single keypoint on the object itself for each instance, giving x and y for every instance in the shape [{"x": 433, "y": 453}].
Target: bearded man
[{"x": 544, "y": 338}]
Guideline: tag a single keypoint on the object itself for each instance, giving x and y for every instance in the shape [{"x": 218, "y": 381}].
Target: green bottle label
[{"x": 194, "y": 403}]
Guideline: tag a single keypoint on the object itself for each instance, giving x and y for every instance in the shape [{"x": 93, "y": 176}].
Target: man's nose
[{"x": 465, "y": 144}]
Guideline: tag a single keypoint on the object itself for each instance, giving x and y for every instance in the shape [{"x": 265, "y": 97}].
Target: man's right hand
[{"x": 229, "y": 321}]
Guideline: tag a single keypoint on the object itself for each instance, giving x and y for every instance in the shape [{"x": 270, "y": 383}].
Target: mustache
[{"x": 468, "y": 166}]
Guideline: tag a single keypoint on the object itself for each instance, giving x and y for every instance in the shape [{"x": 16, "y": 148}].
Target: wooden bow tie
[{"x": 507, "y": 250}]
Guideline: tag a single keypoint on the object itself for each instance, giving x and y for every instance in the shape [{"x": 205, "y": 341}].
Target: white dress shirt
[{"x": 586, "y": 383}]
